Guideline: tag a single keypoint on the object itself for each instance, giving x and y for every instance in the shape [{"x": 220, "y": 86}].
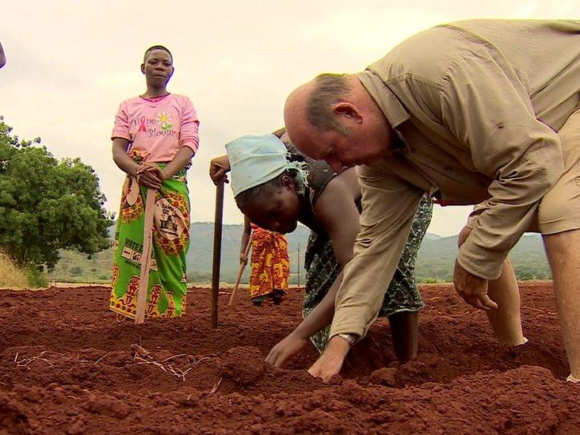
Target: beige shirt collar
[{"x": 389, "y": 103}]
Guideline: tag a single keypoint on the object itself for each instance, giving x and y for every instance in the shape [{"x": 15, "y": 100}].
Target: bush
[{"x": 36, "y": 278}]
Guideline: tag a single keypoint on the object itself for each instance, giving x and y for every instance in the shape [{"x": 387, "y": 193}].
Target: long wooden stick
[
  {"x": 240, "y": 272},
  {"x": 217, "y": 252},
  {"x": 145, "y": 258}
]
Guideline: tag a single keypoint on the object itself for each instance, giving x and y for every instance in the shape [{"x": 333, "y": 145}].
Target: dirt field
[{"x": 66, "y": 366}]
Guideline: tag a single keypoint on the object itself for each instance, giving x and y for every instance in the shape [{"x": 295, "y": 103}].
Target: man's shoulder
[{"x": 425, "y": 57}]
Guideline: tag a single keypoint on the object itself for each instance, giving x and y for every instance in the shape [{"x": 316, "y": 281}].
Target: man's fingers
[
  {"x": 487, "y": 302},
  {"x": 474, "y": 300},
  {"x": 481, "y": 301},
  {"x": 313, "y": 372},
  {"x": 324, "y": 373}
]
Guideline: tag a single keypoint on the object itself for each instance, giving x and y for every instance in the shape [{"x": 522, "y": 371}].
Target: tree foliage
[{"x": 47, "y": 205}]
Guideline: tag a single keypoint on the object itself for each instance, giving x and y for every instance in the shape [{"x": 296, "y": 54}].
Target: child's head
[
  {"x": 265, "y": 183},
  {"x": 157, "y": 66}
]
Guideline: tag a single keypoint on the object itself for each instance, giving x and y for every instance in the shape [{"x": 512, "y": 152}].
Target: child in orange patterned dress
[{"x": 270, "y": 263}]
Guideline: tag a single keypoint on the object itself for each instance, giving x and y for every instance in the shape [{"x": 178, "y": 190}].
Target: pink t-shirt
[{"x": 157, "y": 128}]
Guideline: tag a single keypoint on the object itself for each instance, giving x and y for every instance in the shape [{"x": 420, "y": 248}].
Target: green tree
[{"x": 47, "y": 205}]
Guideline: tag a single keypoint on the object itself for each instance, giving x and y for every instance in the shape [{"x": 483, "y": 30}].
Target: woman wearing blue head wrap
[{"x": 276, "y": 187}]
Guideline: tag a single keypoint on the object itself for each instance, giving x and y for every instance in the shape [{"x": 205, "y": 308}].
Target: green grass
[{"x": 11, "y": 275}]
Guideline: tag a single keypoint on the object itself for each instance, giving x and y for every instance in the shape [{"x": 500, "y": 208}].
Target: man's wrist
[
  {"x": 349, "y": 338},
  {"x": 337, "y": 347}
]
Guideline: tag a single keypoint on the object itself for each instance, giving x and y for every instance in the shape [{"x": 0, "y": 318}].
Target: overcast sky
[{"x": 70, "y": 64}]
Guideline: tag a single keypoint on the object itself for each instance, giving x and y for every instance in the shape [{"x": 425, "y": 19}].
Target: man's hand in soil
[
  {"x": 150, "y": 175},
  {"x": 472, "y": 289},
  {"x": 330, "y": 362},
  {"x": 287, "y": 348}
]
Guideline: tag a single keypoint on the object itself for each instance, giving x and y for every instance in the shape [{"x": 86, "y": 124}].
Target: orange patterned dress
[{"x": 270, "y": 263}]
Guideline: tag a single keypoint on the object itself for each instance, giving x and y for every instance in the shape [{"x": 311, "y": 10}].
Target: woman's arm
[
  {"x": 337, "y": 212},
  {"x": 180, "y": 161},
  {"x": 121, "y": 158}
]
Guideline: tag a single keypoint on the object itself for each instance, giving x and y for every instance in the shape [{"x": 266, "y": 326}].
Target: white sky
[{"x": 70, "y": 64}]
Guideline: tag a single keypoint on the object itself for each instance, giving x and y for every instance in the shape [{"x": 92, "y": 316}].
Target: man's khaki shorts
[{"x": 559, "y": 210}]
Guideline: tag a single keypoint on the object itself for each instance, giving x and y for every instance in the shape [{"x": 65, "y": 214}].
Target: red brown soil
[{"x": 66, "y": 366}]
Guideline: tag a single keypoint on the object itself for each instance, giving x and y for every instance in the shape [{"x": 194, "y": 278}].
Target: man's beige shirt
[{"x": 477, "y": 106}]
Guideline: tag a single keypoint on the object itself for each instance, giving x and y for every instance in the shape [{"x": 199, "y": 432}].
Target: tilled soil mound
[{"x": 68, "y": 366}]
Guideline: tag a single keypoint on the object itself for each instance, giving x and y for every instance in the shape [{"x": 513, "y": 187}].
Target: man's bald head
[
  {"x": 313, "y": 103},
  {"x": 335, "y": 119}
]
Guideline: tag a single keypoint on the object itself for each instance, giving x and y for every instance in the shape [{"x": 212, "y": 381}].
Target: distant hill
[
  {"x": 76, "y": 267},
  {"x": 200, "y": 255},
  {"x": 434, "y": 263}
]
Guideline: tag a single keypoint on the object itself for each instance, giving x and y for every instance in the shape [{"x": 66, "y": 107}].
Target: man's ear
[
  {"x": 347, "y": 110},
  {"x": 142, "y": 68}
]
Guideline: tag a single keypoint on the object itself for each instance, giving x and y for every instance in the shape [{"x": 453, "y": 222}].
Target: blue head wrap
[{"x": 255, "y": 160}]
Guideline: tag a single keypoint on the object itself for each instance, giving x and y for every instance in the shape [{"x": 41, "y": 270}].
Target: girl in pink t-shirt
[{"x": 154, "y": 139}]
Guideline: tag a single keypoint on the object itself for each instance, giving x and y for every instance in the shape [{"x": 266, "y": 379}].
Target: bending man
[{"x": 471, "y": 113}]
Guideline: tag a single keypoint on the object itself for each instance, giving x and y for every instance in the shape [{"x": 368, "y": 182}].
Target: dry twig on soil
[
  {"x": 102, "y": 358},
  {"x": 25, "y": 362},
  {"x": 216, "y": 386},
  {"x": 143, "y": 356}
]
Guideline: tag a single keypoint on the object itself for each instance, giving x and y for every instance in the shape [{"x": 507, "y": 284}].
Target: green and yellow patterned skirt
[{"x": 167, "y": 277}]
